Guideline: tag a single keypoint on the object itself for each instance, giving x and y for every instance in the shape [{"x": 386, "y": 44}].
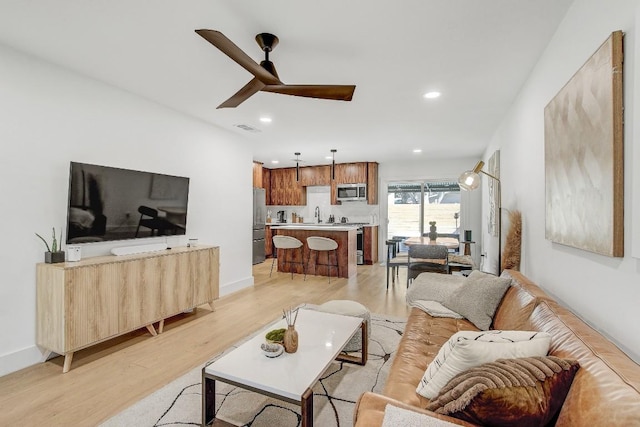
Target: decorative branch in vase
[
  {"x": 291, "y": 335},
  {"x": 54, "y": 253}
]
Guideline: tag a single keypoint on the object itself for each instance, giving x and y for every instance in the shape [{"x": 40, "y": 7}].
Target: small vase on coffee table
[{"x": 291, "y": 339}]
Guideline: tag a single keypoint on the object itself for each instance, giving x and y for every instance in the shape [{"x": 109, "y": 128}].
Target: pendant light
[
  {"x": 297, "y": 166},
  {"x": 333, "y": 163}
]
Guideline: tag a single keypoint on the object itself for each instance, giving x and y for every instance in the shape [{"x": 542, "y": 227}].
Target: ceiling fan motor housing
[{"x": 267, "y": 41}]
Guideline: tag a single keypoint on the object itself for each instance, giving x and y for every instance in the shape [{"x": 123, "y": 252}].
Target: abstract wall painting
[{"x": 583, "y": 131}]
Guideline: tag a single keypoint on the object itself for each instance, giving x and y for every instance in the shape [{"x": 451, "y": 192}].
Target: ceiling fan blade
[
  {"x": 335, "y": 92},
  {"x": 243, "y": 94},
  {"x": 227, "y": 47}
]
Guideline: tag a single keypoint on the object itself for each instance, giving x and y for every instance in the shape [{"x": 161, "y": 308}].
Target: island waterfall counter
[{"x": 344, "y": 235}]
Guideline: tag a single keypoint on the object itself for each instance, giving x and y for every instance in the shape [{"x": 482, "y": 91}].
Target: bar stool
[
  {"x": 288, "y": 244},
  {"x": 323, "y": 244}
]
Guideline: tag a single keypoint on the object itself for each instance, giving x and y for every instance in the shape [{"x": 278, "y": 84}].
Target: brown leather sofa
[{"x": 605, "y": 391}]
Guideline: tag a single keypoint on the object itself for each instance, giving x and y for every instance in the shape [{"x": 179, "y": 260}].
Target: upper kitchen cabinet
[
  {"x": 266, "y": 184},
  {"x": 351, "y": 173},
  {"x": 257, "y": 175},
  {"x": 285, "y": 190},
  {"x": 315, "y": 175},
  {"x": 357, "y": 173},
  {"x": 372, "y": 183}
]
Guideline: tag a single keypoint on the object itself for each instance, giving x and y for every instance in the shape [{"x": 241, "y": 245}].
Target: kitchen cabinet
[
  {"x": 266, "y": 184},
  {"x": 351, "y": 173},
  {"x": 315, "y": 175},
  {"x": 285, "y": 190},
  {"x": 370, "y": 244},
  {"x": 257, "y": 175},
  {"x": 268, "y": 242},
  {"x": 357, "y": 173},
  {"x": 372, "y": 183}
]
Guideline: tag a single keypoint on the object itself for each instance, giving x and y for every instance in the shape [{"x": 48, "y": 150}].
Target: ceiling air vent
[{"x": 248, "y": 128}]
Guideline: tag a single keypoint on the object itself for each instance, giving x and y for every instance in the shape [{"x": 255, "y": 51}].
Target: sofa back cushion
[
  {"x": 421, "y": 340},
  {"x": 606, "y": 389},
  {"x": 518, "y": 302}
]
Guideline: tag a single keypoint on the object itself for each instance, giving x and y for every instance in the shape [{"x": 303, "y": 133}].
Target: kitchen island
[{"x": 344, "y": 235}]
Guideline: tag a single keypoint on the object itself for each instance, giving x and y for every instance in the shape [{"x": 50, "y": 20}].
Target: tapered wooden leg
[
  {"x": 161, "y": 326},
  {"x": 307, "y": 408},
  {"x": 152, "y": 330},
  {"x": 67, "y": 362},
  {"x": 213, "y": 308}
]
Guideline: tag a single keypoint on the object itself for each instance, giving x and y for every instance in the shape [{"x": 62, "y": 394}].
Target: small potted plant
[{"x": 53, "y": 253}]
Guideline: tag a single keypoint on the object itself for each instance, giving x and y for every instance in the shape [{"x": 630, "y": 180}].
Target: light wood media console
[{"x": 82, "y": 303}]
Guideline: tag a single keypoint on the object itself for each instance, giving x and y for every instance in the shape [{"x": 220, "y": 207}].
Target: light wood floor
[{"x": 107, "y": 378}]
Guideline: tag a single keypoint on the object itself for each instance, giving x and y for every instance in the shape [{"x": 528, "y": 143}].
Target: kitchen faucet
[{"x": 317, "y": 214}]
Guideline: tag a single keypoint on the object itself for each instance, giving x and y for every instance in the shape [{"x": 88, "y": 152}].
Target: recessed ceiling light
[
  {"x": 417, "y": 150},
  {"x": 265, "y": 119},
  {"x": 275, "y": 162},
  {"x": 432, "y": 95}
]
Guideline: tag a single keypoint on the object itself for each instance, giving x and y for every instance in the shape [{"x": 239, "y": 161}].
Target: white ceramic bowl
[{"x": 272, "y": 350}]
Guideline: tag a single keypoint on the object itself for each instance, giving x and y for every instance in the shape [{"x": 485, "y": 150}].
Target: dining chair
[
  {"x": 395, "y": 260},
  {"x": 427, "y": 258}
]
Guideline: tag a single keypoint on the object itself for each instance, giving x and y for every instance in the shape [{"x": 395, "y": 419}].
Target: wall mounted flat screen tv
[{"x": 107, "y": 203}]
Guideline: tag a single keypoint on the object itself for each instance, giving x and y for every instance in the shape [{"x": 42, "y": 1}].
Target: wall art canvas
[{"x": 583, "y": 131}]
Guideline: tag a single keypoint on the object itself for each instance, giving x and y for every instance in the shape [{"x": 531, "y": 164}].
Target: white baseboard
[
  {"x": 12, "y": 362},
  {"x": 230, "y": 288}
]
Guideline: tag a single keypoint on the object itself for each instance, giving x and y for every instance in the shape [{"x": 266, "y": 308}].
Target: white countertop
[
  {"x": 322, "y": 225},
  {"x": 314, "y": 227}
]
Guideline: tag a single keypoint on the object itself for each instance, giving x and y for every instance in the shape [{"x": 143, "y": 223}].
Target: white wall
[
  {"x": 604, "y": 291},
  {"x": 426, "y": 168},
  {"x": 49, "y": 117}
]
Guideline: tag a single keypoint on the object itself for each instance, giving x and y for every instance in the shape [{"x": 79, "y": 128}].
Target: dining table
[{"x": 449, "y": 242}]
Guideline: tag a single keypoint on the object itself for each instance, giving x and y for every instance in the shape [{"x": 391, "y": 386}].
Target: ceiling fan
[{"x": 265, "y": 76}]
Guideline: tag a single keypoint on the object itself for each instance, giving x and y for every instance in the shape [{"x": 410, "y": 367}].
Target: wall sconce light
[
  {"x": 470, "y": 180},
  {"x": 333, "y": 163}
]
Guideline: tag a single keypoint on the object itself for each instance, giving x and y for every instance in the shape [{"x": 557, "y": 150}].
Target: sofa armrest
[{"x": 370, "y": 407}]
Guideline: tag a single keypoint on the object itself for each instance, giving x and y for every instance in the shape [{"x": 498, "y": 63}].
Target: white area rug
[{"x": 179, "y": 403}]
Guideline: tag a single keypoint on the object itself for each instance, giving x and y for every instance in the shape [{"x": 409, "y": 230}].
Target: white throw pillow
[
  {"x": 435, "y": 309},
  {"x": 467, "y": 349},
  {"x": 394, "y": 417}
]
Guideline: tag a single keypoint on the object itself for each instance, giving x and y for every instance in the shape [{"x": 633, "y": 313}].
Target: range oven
[{"x": 360, "y": 246}]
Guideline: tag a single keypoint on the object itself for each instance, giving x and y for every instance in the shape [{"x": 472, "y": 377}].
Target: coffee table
[{"x": 289, "y": 377}]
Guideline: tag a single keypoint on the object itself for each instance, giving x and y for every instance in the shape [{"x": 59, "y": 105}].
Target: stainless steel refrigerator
[{"x": 259, "y": 217}]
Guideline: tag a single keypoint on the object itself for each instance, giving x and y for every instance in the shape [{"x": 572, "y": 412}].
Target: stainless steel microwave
[{"x": 351, "y": 192}]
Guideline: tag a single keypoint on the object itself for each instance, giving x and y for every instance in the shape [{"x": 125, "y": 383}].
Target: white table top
[{"x": 321, "y": 337}]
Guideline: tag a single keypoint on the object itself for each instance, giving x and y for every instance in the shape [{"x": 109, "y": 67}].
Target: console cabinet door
[
  {"x": 177, "y": 289},
  {"x": 139, "y": 293},
  {"x": 204, "y": 275},
  {"x": 91, "y": 300}
]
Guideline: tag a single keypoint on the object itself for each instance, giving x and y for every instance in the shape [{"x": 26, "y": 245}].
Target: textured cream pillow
[
  {"x": 467, "y": 349},
  {"x": 479, "y": 298}
]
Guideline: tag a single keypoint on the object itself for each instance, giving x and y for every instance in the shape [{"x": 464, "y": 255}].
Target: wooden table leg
[
  {"x": 362, "y": 360},
  {"x": 161, "y": 326},
  {"x": 306, "y": 406},
  {"x": 67, "y": 362},
  {"x": 208, "y": 399}
]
